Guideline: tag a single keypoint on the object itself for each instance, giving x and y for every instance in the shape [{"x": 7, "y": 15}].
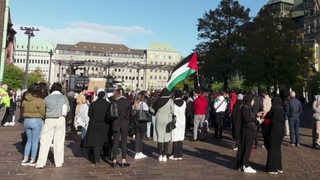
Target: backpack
[{"x": 114, "y": 109}]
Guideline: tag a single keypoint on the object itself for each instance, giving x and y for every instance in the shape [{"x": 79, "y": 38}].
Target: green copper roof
[
  {"x": 161, "y": 47},
  {"x": 35, "y": 45},
  {"x": 279, "y": 1}
]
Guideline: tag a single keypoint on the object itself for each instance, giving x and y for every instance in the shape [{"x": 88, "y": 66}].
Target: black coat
[
  {"x": 236, "y": 119},
  {"x": 275, "y": 137},
  {"x": 124, "y": 113},
  {"x": 97, "y": 132}
]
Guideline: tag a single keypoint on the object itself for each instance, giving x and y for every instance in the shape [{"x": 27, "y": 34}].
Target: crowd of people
[{"x": 106, "y": 120}]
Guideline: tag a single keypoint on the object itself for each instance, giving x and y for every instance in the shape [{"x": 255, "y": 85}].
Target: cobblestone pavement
[{"x": 209, "y": 159}]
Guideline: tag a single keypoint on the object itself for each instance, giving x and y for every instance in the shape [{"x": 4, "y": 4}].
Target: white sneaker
[
  {"x": 6, "y": 124},
  {"x": 273, "y": 173},
  {"x": 235, "y": 149},
  {"x": 137, "y": 156},
  {"x": 25, "y": 163},
  {"x": 164, "y": 158},
  {"x": 143, "y": 155},
  {"x": 180, "y": 158},
  {"x": 172, "y": 158},
  {"x": 12, "y": 123},
  {"x": 249, "y": 170},
  {"x": 160, "y": 158}
]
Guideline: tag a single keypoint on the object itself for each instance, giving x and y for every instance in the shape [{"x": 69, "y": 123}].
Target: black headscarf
[
  {"x": 178, "y": 98},
  {"x": 248, "y": 98},
  {"x": 163, "y": 98},
  {"x": 276, "y": 102},
  {"x": 101, "y": 95}
]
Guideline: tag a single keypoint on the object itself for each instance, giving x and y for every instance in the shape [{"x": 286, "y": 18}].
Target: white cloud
[{"x": 85, "y": 31}]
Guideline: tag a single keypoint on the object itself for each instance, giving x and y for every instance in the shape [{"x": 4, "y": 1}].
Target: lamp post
[
  {"x": 29, "y": 33},
  {"x": 49, "y": 76}
]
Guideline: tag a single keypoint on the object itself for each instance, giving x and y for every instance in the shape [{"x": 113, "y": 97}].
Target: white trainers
[
  {"x": 172, "y": 158},
  {"x": 273, "y": 173},
  {"x": 164, "y": 158},
  {"x": 12, "y": 123},
  {"x": 160, "y": 158},
  {"x": 6, "y": 124},
  {"x": 249, "y": 170},
  {"x": 137, "y": 156},
  {"x": 143, "y": 155},
  {"x": 25, "y": 163}
]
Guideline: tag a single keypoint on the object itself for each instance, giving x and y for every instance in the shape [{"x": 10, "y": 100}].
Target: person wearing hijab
[
  {"x": 120, "y": 126},
  {"x": 275, "y": 137},
  {"x": 248, "y": 131},
  {"x": 178, "y": 133},
  {"x": 98, "y": 126},
  {"x": 163, "y": 108}
]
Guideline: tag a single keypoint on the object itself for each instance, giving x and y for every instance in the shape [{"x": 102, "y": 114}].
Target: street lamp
[
  {"x": 49, "y": 76},
  {"x": 29, "y": 33}
]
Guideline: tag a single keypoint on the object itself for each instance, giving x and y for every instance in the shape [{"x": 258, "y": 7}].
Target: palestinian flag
[{"x": 185, "y": 67}]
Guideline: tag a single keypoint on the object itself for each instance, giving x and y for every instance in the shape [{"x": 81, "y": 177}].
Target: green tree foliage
[
  {"x": 35, "y": 77},
  {"x": 272, "y": 54},
  {"x": 13, "y": 76},
  {"x": 219, "y": 31}
]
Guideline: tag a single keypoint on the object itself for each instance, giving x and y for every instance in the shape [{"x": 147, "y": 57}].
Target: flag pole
[{"x": 198, "y": 79}]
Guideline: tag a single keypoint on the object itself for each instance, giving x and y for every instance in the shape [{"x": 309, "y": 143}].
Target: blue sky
[{"x": 134, "y": 23}]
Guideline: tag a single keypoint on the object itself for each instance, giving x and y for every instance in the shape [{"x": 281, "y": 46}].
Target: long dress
[{"x": 277, "y": 120}]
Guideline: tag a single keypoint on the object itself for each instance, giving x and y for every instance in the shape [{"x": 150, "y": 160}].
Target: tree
[
  {"x": 13, "y": 76},
  {"x": 272, "y": 53},
  {"x": 220, "y": 31},
  {"x": 35, "y": 77}
]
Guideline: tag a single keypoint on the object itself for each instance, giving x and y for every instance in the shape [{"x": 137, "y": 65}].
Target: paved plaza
[{"x": 209, "y": 159}]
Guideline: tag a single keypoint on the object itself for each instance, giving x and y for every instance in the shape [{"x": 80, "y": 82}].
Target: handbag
[
  {"x": 143, "y": 115},
  {"x": 172, "y": 124}
]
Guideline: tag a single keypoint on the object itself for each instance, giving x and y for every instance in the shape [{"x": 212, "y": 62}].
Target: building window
[{"x": 150, "y": 77}]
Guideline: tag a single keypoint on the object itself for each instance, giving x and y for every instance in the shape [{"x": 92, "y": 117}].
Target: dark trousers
[
  {"x": 177, "y": 149},
  {"x": 245, "y": 146},
  {"x": 139, "y": 139},
  {"x": 163, "y": 148},
  {"x": 218, "y": 125},
  {"x": 116, "y": 135}
]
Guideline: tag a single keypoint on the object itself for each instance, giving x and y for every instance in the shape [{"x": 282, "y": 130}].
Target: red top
[{"x": 200, "y": 105}]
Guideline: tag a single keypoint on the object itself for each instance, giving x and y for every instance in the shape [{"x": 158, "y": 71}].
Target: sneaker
[
  {"x": 280, "y": 171},
  {"x": 164, "y": 158},
  {"x": 180, "y": 158},
  {"x": 6, "y": 124},
  {"x": 143, "y": 155},
  {"x": 274, "y": 173},
  {"x": 12, "y": 123},
  {"x": 25, "y": 163},
  {"x": 291, "y": 145},
  {"x": 160, "y": 158},
  {"x": 249, "y": 170},
  {"x": 137, "y": 156},
  {"x": 298, "y": 145},
  {"x": 172, "y": 158},
  {"x": 235, "y": 149},
  {"x": 32, "y": 162}
]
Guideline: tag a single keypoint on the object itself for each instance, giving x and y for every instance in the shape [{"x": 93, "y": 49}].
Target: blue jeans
[
  {"x": 32, "y": 128},
  {"x": 294, "y": 130}
]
